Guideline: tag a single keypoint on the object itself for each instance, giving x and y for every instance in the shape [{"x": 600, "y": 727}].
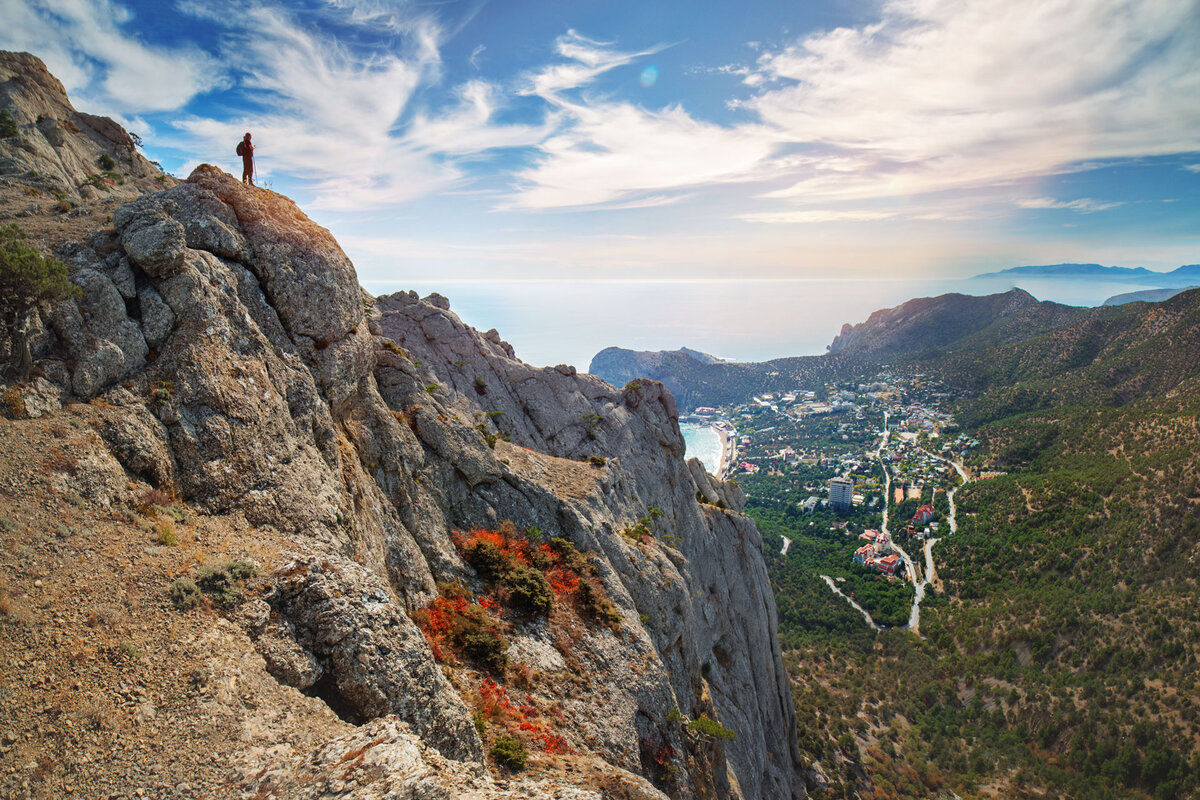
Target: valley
[{"x": 1057, "y": 636}]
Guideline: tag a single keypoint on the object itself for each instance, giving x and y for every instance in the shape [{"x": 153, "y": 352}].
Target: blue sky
[{"x": 476, "y": 142}]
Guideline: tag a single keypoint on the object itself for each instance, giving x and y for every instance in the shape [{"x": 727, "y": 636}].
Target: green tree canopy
[{"x": 27, "y": 278}]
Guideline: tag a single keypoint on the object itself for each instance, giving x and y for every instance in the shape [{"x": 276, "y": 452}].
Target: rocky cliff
[
  {"x": 382, "y": 545},
  {"x": 62, "y": 171}
]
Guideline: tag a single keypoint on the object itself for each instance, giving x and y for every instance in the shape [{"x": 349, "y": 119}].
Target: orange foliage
[
  {"x": 499, "y": 709},
  {"x": 455, "y": 627},
  {"x": 564, "y": 567}
]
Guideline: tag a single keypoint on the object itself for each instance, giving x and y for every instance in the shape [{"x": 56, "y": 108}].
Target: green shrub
[
  {"x": 597, "y": 461},
  {"x": 27, "y": 278},
  {"x": 432, "y": 387},
  {"x": 96, "y": 181},
  {"x": 509, "y": 752},
  {"x": 222, "y": 581},
  {"x": 480, "y": 385},
  {"x": 710, "y": 727},
  {"x": 487, "y": 559},
  {"x": 486, "y": 648},
  {"x": 166, "y": 534},
  {"x": 455, "y": 626},
  {"x": 8, "y": 125},
  {"x": 529, "y": 589},
  {"x": 12, "y": 403},
  {"x": 185, "y": 594},
  {"x": 128, "y": 650},
  {"x": 594, "y": 603},
  {"x": 106, "y": 162}
]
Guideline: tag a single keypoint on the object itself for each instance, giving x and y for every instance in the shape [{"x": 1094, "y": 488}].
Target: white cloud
[
  {"x": 1084, "y": 205},
  {"x": 809, "y": 217},
  {"x": 336, "y": 124},
  {"x": 469, "y": 129},
  {"x": 617, "y": 154},
  {"x": 586, "y": 60},
  {"x": 103, "y": 68},
  {"x": 942, "y": 94},
  {"x": 1192, "y": 167},
  {"x": 473, "y": 60},
  {"x": 610, "y": 152},
  {"x": 936, "y": 96}
]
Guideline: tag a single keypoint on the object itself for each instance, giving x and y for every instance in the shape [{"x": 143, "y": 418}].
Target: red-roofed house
[{"x": 924, "y": 514}]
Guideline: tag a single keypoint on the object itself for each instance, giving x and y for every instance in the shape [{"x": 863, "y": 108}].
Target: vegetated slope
[
  {"x": 926, "y": 327},
  {"x": 1107, "y": 357},
  {"x": 1146, "y": 296},
  {"x": 1060, "y": 657},
  {"x": 271, "y": 539}
]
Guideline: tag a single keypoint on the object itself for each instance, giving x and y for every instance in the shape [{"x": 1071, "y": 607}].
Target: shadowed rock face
[{"x": 253, "y": 376}]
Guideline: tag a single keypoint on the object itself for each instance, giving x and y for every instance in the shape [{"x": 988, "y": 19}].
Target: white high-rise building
[{"x": 841, "y": 493}]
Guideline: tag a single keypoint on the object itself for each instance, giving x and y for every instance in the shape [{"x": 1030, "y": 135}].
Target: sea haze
[{"x": 568, "y": 322}]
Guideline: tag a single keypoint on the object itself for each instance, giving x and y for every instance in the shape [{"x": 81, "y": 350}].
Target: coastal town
[{"x": 871, "y": 464}]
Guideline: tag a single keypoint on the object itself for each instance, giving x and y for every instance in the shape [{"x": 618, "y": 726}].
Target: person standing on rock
[{"x": 246, "y": 151}]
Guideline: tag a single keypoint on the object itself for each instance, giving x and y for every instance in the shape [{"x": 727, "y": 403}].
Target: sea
[{"x": 704, "y": 443}]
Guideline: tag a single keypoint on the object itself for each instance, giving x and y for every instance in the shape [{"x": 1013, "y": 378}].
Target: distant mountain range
[
  {"x": 976, "y": 342},
  {"x": 1179, "y": 277}
]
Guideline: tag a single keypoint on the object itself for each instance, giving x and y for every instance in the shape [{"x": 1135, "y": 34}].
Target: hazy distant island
[{"x": 1178, "y": 277}]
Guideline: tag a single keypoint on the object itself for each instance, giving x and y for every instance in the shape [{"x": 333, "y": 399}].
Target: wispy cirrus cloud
[
  {"x": 345, "y": 125},
  {"x": 1084, "y": 205},
  {"x": 818, "y": 216},
  {"x": 946, "y": 94},
  {"x": 585, "y": 60},
  {"x": 935, "y": 96},
  {"x": 612, "y": 153}
]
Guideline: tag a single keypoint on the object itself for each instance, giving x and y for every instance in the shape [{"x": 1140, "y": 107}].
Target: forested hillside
[{"x": 1060, "y": 649}]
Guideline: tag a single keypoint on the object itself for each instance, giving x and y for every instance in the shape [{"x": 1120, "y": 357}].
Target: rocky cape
[{"x": 223, "y": 361}]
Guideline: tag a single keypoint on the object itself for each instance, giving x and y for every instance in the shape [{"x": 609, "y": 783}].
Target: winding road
[
  {"x": 920, "y": 581},
  {"x": 850, "y": 600}
]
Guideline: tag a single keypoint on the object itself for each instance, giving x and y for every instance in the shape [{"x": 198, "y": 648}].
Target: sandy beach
[{"x": 728, "y": 451}]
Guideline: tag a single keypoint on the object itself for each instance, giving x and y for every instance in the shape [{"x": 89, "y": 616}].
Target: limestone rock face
[
  {"x": 369, "y": 653},
  {"x": 62, "y": 146},
  {"x": 385, "y": 760},
  {"x": 245, "y": 370},
  {"x": 701, "y": 590}
]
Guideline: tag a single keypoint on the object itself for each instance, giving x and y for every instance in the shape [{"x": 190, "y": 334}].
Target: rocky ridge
[
  {"x": 223, "y": 354},
  {"x": 62, "y": 171}
]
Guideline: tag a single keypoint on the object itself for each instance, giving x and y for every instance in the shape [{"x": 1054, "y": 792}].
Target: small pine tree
[
  {"x": 8, "y": 125},
  {"x": 27, "y": 279}
]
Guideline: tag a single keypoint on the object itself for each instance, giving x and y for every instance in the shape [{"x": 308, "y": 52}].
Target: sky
[{"x": 740, "y": 178}]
